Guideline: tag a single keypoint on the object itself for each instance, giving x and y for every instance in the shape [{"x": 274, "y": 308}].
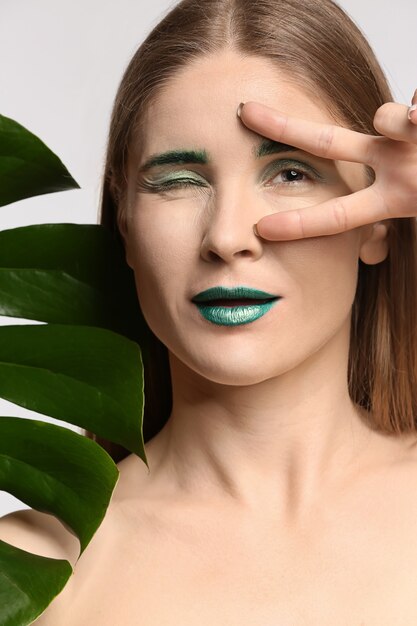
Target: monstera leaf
[
  {"x": 28, "y": 167},
  {"x": 83, "y": 366}
]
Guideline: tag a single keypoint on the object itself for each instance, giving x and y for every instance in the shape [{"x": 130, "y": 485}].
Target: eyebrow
[
  {"x": 181, "y": 157},
  {"x": 268, "y": 146}
]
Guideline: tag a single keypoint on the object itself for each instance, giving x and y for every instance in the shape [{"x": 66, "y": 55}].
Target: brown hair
[{"x": 318, "y": 45}]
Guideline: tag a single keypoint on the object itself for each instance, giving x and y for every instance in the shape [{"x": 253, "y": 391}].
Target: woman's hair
[{"x": 319, "y": 47}]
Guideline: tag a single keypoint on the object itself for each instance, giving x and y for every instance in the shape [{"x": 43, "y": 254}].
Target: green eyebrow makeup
[
  {"x": 268, "y": 146},
  {"x": 176, "y": 157},
  {"x": 183, "y": 157}
]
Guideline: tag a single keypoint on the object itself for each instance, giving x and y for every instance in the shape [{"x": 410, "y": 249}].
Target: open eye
[
  {"x": 292, "y": 175},
  {"x": 289, "y": 172}
]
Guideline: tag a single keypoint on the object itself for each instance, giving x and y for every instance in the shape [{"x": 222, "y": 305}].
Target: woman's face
[{"x": 189, "y": 225}]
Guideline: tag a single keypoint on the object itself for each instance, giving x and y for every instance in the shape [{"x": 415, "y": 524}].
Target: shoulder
[
  {"x": 43, "y": 534},
  {"x": 400, "y": 477},
  {"x": 39, "y": 533}
]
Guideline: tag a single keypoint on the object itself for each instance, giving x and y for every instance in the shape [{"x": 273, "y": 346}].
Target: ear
[{"x": 374, "y": 247}]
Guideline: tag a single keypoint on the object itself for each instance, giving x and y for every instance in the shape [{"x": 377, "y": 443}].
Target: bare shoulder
[
  {"x": 39, "y": 533},
  {"x": 43, "y": 534},
  {"x": 401, "y": 474},
  {"x": 410, "y": 463}
]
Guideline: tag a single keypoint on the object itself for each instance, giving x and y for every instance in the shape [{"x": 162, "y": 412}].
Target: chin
[{"x": 238, "y": 370}]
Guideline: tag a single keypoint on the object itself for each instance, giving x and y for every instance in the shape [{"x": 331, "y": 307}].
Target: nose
[{"x": 228, "y": 230}]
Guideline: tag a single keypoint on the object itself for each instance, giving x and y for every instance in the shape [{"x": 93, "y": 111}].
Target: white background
[{"x": 60, "y": 66}]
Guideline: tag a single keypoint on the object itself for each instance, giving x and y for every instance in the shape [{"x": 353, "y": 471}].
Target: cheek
[
  {"x": 165, "y": 250},
  {"x": 160, "y": 255},
  {"x": 323, "y": 270}
]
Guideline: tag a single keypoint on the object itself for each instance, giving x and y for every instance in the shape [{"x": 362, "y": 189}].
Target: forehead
[{"x": 199, "y": 102}]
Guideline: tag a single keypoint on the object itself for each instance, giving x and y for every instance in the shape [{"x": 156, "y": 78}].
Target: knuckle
[
  {"x": 325, "y": 140},
  {"x": 284, "y": 124},
  {"x": 340, "y": 214},
  {"x": 374, "y": 153},
  {"x": 384, "y": 115},
  {"x": 301, "y": 223},
  {"x": 382, "y": 203}
]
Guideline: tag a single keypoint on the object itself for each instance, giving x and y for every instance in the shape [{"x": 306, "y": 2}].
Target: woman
[{"x": 280, "y": 434}]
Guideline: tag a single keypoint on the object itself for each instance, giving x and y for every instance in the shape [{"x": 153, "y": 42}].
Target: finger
[
  {"x": 391, "y": 120},
  {"x": 412, "y": 111},
  {"x": 324, "y": 140},
  {"x": 328, "y": 218}
]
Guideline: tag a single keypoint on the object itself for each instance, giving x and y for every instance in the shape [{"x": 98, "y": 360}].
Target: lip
[
  {"x": 234, "y": 314},
  {"x": 232, "y": 293}
]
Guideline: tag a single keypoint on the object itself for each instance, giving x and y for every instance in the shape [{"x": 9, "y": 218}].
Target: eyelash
[
  {"x": 298, "y": 168},
  {"x": 285, "y": 166}
]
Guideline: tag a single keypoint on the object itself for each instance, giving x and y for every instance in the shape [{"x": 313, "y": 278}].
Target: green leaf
[
  {"x": 74, "y": 368},
  {"x": 86, "y": 376},
  {"x": 27, "y": 166},
  {"x": 28, "y": 584},
  {"x": 69, "y": 274},
  {"x": 55, "y": 470},
  {"x": 51, "y": 296}
]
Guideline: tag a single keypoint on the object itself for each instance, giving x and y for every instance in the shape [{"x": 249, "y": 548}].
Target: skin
[
  {"x": 261, "y": 417},
  {"x": 393, "y": 156}
]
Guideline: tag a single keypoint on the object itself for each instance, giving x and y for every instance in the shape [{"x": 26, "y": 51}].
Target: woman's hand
[{"x": 392, "y": 156}]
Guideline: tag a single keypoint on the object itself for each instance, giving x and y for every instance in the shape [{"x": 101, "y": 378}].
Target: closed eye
[{"x": 179, "y": 181}]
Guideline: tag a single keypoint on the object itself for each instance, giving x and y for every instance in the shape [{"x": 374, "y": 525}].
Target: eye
[
  {"x": 181, "y": 183},
  {"x": 292, "y": 173},
  {"x": 179, "y": 180}
]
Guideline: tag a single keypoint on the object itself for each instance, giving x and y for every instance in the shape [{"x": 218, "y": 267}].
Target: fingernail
[
  {"x": 239, "y": 109},
  {"x": 255, "y": 230},
  {"x": 411, "y": 109}
]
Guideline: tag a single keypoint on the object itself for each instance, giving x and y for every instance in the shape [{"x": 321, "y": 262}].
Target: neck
[{"x": 277, "y": 444}]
